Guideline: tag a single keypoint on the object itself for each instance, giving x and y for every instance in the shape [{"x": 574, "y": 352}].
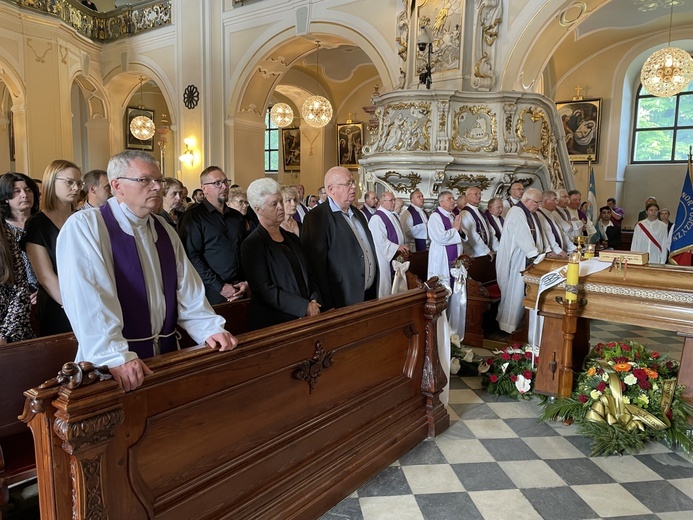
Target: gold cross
[{"x": 577, "y": 95}]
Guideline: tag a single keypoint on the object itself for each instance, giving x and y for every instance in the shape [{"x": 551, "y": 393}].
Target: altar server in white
[
  {"x": 415, "y": 223},
  {"x": 388, "y": 239},
  {"x": 444, "y": 230},
  {"x": 652, "y": 235},
  {"x": 522, "y": 242}
]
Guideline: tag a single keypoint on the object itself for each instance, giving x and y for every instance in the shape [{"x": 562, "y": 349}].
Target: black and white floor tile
[{"x": 498, "y": 462}]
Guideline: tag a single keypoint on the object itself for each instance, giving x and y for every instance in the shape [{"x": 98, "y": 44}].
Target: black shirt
[{"x": 213, "y": 244}]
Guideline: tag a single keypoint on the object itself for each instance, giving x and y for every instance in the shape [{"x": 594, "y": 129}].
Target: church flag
[
  {"x": 682, "y": 235},
  {"x": 592, "y": 209}
]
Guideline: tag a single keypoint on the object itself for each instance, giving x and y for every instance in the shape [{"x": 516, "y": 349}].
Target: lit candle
[
  {"x": 573, "y": 277},
  {"x": 589, "y": 252}
]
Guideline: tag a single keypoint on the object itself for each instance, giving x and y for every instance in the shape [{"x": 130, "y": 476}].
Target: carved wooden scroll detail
[
  {"x": 310, "y": 369},
  {"x": 74, "y": 375}
]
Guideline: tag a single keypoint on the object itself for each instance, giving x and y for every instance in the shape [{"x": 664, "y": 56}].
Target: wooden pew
[
  {"x": 482, "y": 293},
  {"x": 284, "y": 426},
  {"x": 27, "y": 363}
]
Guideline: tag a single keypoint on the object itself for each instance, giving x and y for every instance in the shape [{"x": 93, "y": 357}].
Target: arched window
[
  {"x": 271, "y": 144},
  {"x": 663, "y": 127}
]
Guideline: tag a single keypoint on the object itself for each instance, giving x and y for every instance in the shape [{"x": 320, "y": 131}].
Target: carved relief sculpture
[
  {"x": 442, "y": 19},
  {"x": 474, "y": 129},
  {"x": 405, "y": 126},
  {"x": 489, "y": 17}
]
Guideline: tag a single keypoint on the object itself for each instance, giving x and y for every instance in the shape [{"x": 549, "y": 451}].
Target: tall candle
[{"x": 573, "y": 277}]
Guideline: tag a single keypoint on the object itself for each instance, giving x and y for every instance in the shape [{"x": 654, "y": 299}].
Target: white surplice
[
  {"x": 517, "y": 245},
  {"x": 641, "y": 242},
  {"x": 384, "y": 249},
  {"x": 474, "y": 245},
  {"x": 438, "y": 264},
  {"x": 412, "y": 231},
  {"x": 90, "y": 297}
]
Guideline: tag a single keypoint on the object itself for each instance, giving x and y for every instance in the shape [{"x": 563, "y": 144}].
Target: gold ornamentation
[
  {"x": 476, "y": 135},
  {"x": 465, "y": 180},
  {"x": 414, "y": 180},
  {"x": 310, "y": 369},
  {"x": 310, "y": 141},
  {"x": 405, "y": 126},
  {"x": 42, "y": 57},
  {"x": 535, "y": 115},
  {"x": 63, "y": 55}
]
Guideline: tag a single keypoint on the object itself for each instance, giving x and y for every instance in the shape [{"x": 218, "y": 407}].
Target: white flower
[
  {"x": 594, "y": 394},
  {"x": 504, "y": 366},
  {"x": 610, "y": 362},
  {"x": 626, "y": 399},
  {"x": 522, "y": 384},
  {"x": 643, "y": 399},
  {"x": 454, "y": 366},
  {"x": 655, "y": 386},
  {"x": 605, "y": 377},
  {"x": 630, "y": 380}
]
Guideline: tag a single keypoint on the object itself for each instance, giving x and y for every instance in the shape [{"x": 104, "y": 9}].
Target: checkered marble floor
[{"x": 497, "y": 462}]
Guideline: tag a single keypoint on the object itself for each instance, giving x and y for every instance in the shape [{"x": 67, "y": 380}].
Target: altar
[{"x": 659, "y": 297}]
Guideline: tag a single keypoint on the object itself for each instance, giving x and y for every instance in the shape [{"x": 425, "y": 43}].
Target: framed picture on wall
[
  {"x": 582, "y": 125},
  {"x": 291, "y": 147},
  {"x": 131, "y": 142},
  {"x": 349, "y": 144}
]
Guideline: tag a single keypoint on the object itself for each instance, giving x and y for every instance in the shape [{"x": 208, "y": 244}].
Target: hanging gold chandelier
[
  {"x": 281, "y": 115},
  {"x": 316, "y": 110},
  {"x": 667, "y": 71},
  {"x": 142, "y": 127}
]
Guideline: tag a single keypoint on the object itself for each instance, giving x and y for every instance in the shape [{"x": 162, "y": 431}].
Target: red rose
[
  {"x": 601, "y": 386},
  {"x": 583, "y": 398},
  {"x": 655, "y": 355},
  {"x": 669, "y": 414},
  {"x": 490, "y": 361},
  {"x": 513, "y": 377},
  {"x": 493, "y": 378},
  {"x": 528, "y": 355},
  {"x": 645, "y": 385},
  {"x": 517, "y": 357},
  {"x": 623, "y": 386},
  {"x": 626, "y": 348},
  {"x": 640, "y": 374},
  {"x": 505, "y": 356},
  {"x": 527, "y": 374}
]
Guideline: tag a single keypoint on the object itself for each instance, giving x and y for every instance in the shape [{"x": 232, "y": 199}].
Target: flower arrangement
[
  {"x": 511, "y": 372},
  {"x": 626, "y": 396}
]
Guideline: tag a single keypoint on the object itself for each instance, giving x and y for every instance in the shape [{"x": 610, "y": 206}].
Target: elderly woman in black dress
[{"x": 274, "y": 263}]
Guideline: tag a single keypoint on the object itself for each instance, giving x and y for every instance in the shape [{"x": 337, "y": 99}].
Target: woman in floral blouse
[{"x": 15, "y": 305}]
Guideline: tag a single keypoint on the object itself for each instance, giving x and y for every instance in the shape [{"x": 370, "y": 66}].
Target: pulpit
[{"x": 659, "y": 297}]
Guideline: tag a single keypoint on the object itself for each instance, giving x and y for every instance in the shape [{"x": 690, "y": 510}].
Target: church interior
[{"x": 424, "y": 94}]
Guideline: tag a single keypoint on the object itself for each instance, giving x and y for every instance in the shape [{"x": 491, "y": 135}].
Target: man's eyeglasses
[
  {"x": 71, "y": 182},
  {"x": 145, "y": 182},
  {"x": 217, "y": 184},
  {"x": 349, "y": 183},
  {"x": 536, "y": 201}
]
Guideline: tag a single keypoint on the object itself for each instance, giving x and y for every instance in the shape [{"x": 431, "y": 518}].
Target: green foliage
[{"x": 511, "y": 372}]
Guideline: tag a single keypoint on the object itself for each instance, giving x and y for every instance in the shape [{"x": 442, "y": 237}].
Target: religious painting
[
  {"x": 291, "y": 147},
  {"x": 581, "y": 121},
  {"x": 131, "y": 142},
  {"x": 349, "y": 144}
]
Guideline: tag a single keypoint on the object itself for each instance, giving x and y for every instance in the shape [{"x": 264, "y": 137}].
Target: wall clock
[{"x": 191, "y": 96}]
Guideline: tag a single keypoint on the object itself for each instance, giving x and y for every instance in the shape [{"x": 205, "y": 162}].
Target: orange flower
[
  {"x": 622, "y": 367},
  {"x": 592, "y": 371},
  {"x": 651, "y": 374}
]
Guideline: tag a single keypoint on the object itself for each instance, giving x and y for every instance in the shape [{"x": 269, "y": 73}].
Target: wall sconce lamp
[
  {"x": 188, "y": 155},
  {"x": 425, "y": 41}
]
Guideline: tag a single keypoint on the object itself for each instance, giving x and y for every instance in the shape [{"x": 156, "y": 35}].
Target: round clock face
[{"x": 191, "y": 96}]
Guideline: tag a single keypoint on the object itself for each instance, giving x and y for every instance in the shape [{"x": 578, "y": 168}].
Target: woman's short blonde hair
[
  {"x": 288, "y": 191},
  {"x": 48, "y": 198}
]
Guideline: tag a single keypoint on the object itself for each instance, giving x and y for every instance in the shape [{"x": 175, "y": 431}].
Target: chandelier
[
  {"x": 142, "y": 127},
  {"x": 667, "y": 71},
  {"x": 281, "y": 115},
  {"x": 316, "y": 110}
]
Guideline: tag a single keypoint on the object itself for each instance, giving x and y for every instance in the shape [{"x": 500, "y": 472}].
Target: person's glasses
[
  {"x": 536, "y": 201},
  {"x": 71, "y": 182},
  {"x": 217, "y": 184},
  {"x": 145, "y": 182},
  {"x": 349, "y": 183}
]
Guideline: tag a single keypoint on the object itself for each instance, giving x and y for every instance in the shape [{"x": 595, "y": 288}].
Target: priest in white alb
[
  {"x": 446, "y": 238},
  {"x": 651, "y": 236},
  {"x": 388, "y": 239}
]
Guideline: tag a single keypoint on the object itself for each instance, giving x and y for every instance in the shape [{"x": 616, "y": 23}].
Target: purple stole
[
  {"x": 391, "y": 232},
  {"x": 531, "y": 222},
  {"x": 563, "y": 213},
  {"x": 492, "y": 222},
  {"x": 582, "y": 216},
  {"x": 555, "y": 232},
  {"x": 419, "y": 243},
  {"x": 450, "y": 249},
  {"x": 510, "y": 202},
  {"x": 480, "y": 228},
  {"x": 131, "y": 287},
  {"x": 296, "y": 216},
  {"x": 455, "y": 211},
  {"x": 367, "y": 213}
]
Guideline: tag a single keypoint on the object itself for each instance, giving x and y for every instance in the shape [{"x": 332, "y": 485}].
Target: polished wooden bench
[
  {"x": 482, "y": 293},
  {"x": 294, "y": 419},
  {"x": 27, "y": 363}
]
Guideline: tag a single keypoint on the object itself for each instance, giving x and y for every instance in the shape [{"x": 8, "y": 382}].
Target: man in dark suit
[
  {"x": 339, "y": 245},
  {"x": 607, "y": 236}
]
